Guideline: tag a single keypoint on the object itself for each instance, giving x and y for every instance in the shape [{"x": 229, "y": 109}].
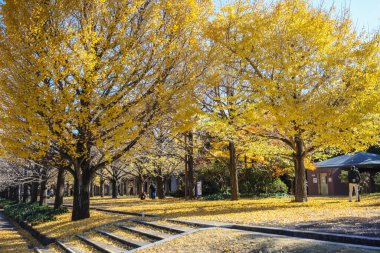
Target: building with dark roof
[{"x": 326, "y": 178}]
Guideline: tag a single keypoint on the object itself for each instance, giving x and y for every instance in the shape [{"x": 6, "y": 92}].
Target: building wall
[
  {"x": 335, "y": 187},
  {"x": 339, "y": 187}
]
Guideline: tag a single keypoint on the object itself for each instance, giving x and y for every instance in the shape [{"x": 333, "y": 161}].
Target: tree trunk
[
  {"x": 81, "y": 202},
  {"x": 121, "y": 188},
  {"x": 101, "y": 188},
  {"x": 299, "y": 164},
  {"x": 34, "y": 192},
  {"x": 20, "y": 191},
  {"x": 140, "y": 183},
  {"x": 125, "y": 188},
  {"x": 190, "y": 165},
  {"x": 233, "y": 172},
  {"x": 43, "y": 190},
  {"x": 114, "y": 188},
  {"x": 60, "y": 189},
  {"x": 26, "y": 193},
  {"x": 186, "y": 179},
  {"x": 186, "y": 170},
  {"x": 92, "y": 188},
  {"x": 67, "y": 189},
  {"x": 160, "y": 187}
]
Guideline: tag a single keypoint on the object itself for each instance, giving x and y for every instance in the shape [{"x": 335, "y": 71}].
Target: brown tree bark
[
  {"x": 140, "y": 185},
  {"x": 101, "y": 190},
  {"x": 43, "y": 190},
  {"x": 92, "y": 188},
  {"x": 59, "y": 191},
  {"x": 160, "y": 187},
  {"x": 300, "y": 193},
  {"x": 233, "y": 171},
  {"x": 121, "y": 185},
  {"x": 81, "y": 201},
  {"x": 125, "y": 187},
  {"x": 20, "y": 191},
  {"x": 114, "y": 185},
  {"x": 186, "y": 181},
  {"x": 190, "y": 165},
  {"x": 26, "y": 192},
  {"x": 34, "y": 192},
  {"x": 67, "y": 189}
]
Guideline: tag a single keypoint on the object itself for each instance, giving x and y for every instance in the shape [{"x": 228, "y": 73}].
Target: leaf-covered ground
[
  {"x": 14, "y": 240},
  {"x": 328, "y": 213},
  {"x": 64, "y": 228},
  {"x": 228, "y": 241}
]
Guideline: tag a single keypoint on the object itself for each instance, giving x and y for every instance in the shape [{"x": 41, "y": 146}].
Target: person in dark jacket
[
  {"x": 353, "y": 182},
  {"x": 152, "y": 191}
]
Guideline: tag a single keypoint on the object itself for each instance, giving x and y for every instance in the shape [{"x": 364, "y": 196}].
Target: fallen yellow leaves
[
  {"x": 12, "y": 241},
  {"x": 224, "y": 240},
  {"x": 64, "y": 228},
  {"x": 263, "y": 211}
]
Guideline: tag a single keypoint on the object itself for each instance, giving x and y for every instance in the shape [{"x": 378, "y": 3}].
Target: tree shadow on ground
[
  {"x": 346, "y": 225},
  {"x": 270, "y": 243}
]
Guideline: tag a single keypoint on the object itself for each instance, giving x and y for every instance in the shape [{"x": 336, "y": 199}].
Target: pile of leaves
[{"x": 32, "y": 213}]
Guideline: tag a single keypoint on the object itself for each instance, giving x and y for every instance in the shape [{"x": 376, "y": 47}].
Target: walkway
[
  {"x": 4, "y": 223},
  {"x": 10, "y": 239}
]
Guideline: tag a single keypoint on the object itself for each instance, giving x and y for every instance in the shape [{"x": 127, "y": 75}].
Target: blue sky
[{"x": 364, "y": 13}]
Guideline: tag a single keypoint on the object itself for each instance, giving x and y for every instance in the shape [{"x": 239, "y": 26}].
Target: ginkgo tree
[
  {"x": 313, "y": 80},
  {"x": 79, "y": 75},
  {"x": 223, "y": 102},
  {"x": 164, "y": 157}
]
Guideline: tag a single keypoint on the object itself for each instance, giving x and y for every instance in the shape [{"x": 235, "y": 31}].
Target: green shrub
[
  {"x": 277, "y": 186},
  {"x": 277, "y": 195},
  {"x": 5, "y": 202},
  {"x": 343, "y": 176},
  {"x": 219, "y": 196},
  {"x": 177, "y": 194},
  {"x": 365, "y": 182},
  {"x": 376, "y": 180},
  {"x": 32, "y": 213},
  {"x": 214, "y": 177}
]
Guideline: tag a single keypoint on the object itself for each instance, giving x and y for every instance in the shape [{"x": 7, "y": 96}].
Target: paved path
[
  {"x": 4, "y": 223},
  {"x": 10, "y": 239}
]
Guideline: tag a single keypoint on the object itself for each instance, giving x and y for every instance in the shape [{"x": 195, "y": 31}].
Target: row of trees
[{"x": 86, "y": 85}]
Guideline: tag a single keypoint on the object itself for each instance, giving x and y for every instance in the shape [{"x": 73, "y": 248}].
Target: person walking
[
  {"x": 353, "y": 183},
  {"x": 152, "y": 191}
]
